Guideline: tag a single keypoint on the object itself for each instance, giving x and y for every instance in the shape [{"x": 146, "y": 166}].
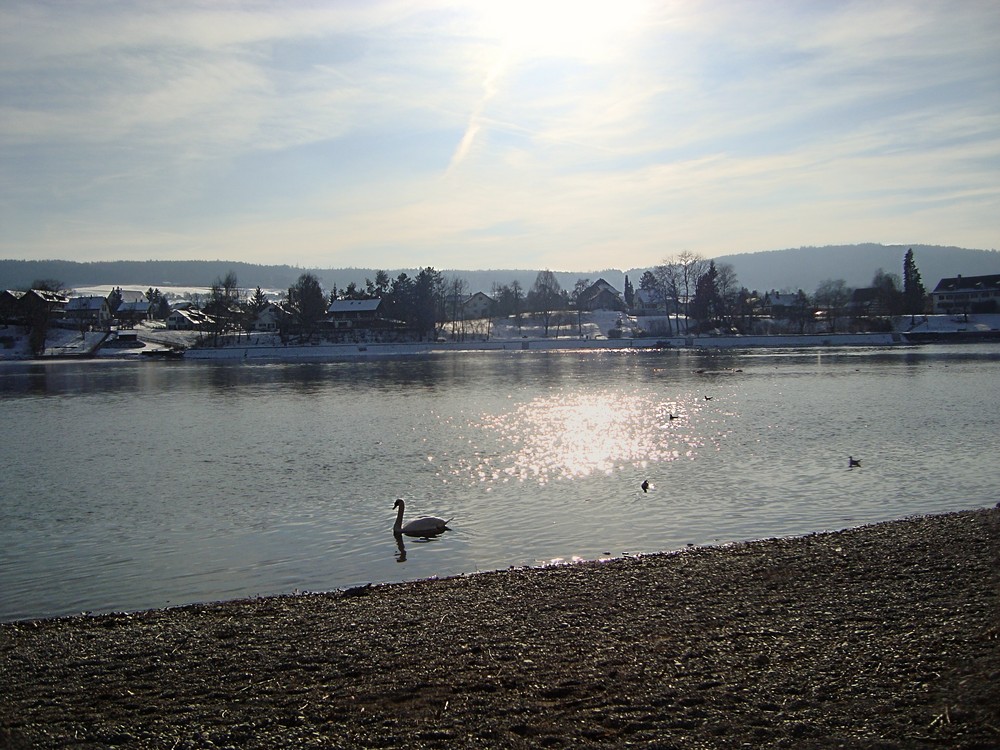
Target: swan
[{"x": 423, "y": 527}]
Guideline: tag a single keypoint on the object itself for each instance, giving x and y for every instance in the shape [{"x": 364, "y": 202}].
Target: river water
[{"x": 131, "y": 485}]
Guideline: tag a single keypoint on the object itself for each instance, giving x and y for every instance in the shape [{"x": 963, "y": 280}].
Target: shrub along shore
[{"x": 881, "y": 636}]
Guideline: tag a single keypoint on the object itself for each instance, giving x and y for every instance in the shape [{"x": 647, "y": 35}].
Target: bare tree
[
  {"x": 545, "y": 296},
  {"x": 224, "y": 303},
  {"x": 517, "y": 295},
  {"x": 888, "y": 292},
  {"x": 728, "y": 287},
  {"x": 664, "y": 277},
  {"x": 832, "y": 296},
  {"x": 678, "y": 278},
  {"x": 690, "y": 268},
  {"x": 579, "y": 288},
  {"x": 455, "y": 296}
]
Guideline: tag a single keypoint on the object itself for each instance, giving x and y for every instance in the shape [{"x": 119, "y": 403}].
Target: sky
[{"x": 572, "y": 135}]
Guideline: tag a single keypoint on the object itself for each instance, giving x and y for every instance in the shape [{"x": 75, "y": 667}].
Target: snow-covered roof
[
  {"x": 195, "y": 316},
  {"x": 968, "y": 284},
  {"x": 354, "y": 305},
  {"x": 85, "y": 303},
  {"x": 50, "y": 297}
]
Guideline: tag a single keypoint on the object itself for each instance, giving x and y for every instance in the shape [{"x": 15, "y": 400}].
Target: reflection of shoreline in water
[{"x": 333, "y": 352}]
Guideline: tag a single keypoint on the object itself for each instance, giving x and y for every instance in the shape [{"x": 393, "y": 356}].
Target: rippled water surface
[{"x": 129, "y": 485}]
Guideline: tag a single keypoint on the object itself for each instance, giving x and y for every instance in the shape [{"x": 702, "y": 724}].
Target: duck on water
[{"x": 420, "y": 527}]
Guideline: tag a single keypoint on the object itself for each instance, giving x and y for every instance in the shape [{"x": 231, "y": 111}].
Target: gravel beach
[{"x": 884, "y": 636}]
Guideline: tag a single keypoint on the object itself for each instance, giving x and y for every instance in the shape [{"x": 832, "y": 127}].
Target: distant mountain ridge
[
  {"x": 806, "y": 267},
  {"x": 792, "y": 269}
]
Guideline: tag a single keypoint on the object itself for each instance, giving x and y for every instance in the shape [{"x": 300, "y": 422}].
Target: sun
[{"x": 582, "y": 29}]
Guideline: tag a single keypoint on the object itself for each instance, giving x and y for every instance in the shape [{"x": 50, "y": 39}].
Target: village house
[
  {"x": 88, "y": 312},
  {"x": 188, "y": 320},
  {"x": 37, "y": 303},
  {"x": 353, "y": 313},
  {"x": 131, "y": 295},
  {"x": 781, "y": 305},
  {"x": 478, "y": 305},
  {"x": 645, "y": 303},
  {"x": 865, "y": 303},
  {"x": 130, "y": 313},
  {"x": 600, "y": 296},
  {"x": 971, "y": 294},
  {"x": 10, "y": 306},
  {"x": 269, "y": 319}
]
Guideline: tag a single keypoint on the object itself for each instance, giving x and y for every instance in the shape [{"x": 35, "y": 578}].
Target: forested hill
[
  {"x": 801, "y": 268},
  {"x": 20, "y": 274}
]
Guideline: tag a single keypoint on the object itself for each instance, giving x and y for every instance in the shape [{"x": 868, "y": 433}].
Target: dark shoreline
[{"x": 882, "y": 636}]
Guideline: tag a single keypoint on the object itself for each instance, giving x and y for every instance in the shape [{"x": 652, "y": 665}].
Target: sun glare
[
  {"x": 564, "y": 437},
  {"x": 562, "y": 28}
]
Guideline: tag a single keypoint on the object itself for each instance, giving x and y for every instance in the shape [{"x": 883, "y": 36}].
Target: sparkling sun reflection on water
[{"x": 577, "y": 435}]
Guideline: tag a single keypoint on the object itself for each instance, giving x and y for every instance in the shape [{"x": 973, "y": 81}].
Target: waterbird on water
[
  {"x": 645, "y": 485},
  {"x": 708, "y": 398},
  {"x": 422, "y": 527},
  {"x": 852, "y": 462}
]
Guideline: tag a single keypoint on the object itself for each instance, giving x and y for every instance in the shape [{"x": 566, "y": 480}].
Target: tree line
[
  {"x": 687, "y": 291},
  {"x": 702, "y": 296},
  {"x": 423, "y": 304}
]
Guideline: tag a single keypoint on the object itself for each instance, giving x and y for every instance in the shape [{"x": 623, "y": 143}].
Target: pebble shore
[{"x": 884, "y": 636}]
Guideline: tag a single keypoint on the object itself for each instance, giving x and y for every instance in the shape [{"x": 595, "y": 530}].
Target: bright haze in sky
[{"x": 562, "y": 134}]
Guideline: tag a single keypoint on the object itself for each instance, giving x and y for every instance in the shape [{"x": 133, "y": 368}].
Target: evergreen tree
[
  {"x": 399, "y": 304},
  {"x": 257, "y": 301},
  {"x": 428, "y": 298},
  {"x": 306, "y": 298},
  {"x": 705, "y": 305},
  {"x": 913, "y": 287}
]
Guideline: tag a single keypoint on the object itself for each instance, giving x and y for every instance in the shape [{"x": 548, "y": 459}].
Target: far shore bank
[
  {"x": 878, "y": 636},
  {"x": 158, "y": 342},
  {"x": 255, "y": 350}
]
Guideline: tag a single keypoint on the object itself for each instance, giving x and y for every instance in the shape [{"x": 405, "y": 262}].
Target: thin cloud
[{"x": 430, "y": 133}]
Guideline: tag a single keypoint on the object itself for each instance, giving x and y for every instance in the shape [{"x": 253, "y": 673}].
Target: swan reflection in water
[
  {"x": 423, "y": 529},
  {"x": 401, "y": 547}
]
